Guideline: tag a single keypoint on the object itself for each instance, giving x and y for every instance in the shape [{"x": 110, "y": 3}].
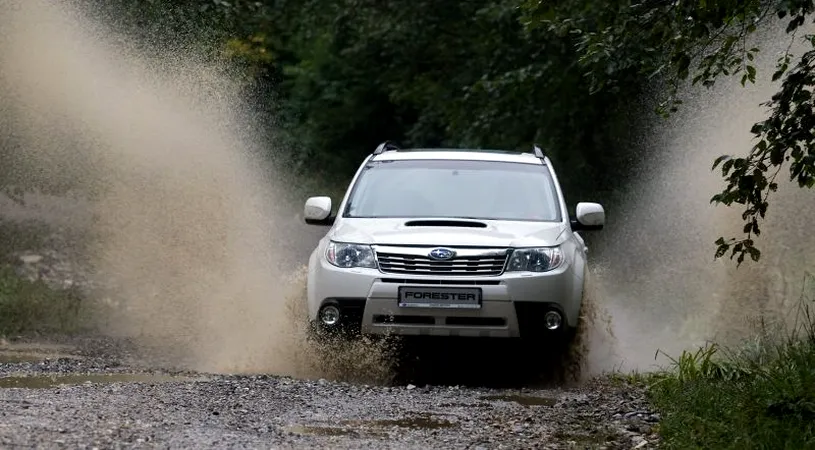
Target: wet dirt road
[{"x": 89, "y": 394}]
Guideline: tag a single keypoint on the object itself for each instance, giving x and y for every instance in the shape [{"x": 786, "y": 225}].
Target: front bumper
[{"x": 513, "y": 304}]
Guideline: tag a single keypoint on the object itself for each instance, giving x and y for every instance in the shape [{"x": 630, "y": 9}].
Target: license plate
[{"x": 439, "y": 297}]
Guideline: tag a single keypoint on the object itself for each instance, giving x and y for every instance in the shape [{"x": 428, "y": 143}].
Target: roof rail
[
  {"x": 385, "y": 146},
  {"x": 538, "y": 152}
]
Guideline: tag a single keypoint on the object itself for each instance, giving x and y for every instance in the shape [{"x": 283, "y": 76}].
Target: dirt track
[{"x": 110, "y": 401}]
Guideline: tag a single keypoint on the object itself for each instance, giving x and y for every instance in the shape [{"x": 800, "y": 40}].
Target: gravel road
[{"x": 89, "y": 393}]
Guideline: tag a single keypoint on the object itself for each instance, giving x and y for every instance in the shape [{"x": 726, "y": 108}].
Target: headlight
[
  {"x": 535, "y": 259},
  {"x": 350, "y": 255}
]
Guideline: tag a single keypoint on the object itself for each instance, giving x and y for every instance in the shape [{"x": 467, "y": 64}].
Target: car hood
[{"x": 495, "y": 234}]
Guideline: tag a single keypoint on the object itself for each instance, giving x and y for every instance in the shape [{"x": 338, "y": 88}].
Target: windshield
[{"x": 455, "y": 189}]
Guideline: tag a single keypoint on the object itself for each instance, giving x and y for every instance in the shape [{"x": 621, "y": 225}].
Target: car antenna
[{"x": 538, "y": 152}]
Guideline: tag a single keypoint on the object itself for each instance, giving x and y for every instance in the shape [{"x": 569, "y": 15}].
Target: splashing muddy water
[
  {"x": 655, "y": 272},
  {"x": 183, "y": 206}
]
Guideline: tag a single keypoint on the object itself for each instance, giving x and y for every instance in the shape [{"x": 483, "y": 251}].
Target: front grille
[
  {"x": 425, "y": 282},
  {"x": 489, "y": 263}
]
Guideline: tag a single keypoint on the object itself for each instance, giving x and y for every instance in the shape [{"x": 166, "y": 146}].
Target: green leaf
[
  {"x": 755, "y": 254},
  {"x": 719, "y": 160},
  {"x": 721, "y": 250},
  {"x": 780, "y": 72},
  {"x": 682, "y": 63}
]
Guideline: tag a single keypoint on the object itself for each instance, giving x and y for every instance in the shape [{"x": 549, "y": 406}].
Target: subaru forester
[{"x": 450, "y": 242}]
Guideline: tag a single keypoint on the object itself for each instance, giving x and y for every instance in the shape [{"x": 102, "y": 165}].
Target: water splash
[{"x": 655, "y": 271}]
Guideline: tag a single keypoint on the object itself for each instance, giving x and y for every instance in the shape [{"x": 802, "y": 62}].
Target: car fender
[{"x": 579, "y": 270}]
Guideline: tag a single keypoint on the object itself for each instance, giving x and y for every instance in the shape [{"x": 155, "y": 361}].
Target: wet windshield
[{"x": 454, "y": 189}]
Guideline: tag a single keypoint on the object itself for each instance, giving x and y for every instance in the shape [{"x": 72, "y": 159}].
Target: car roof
[{"x": 458, "y": 154}]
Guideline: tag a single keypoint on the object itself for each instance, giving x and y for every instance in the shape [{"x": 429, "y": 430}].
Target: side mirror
[
  {"x": 590, "y": 216},
  {"x": 318, "y": 211}
]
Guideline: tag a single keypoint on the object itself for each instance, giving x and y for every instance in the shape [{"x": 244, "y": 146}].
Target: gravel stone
[{"x": 192, "y": 410}]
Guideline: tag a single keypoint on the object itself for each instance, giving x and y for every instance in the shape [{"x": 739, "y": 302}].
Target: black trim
[
  {"x": 463, "y": 321},
  {"x": 403, "y": 319},
  {"x": 530, "y": 318},
  {"x": 441, "y": 282},
  {"x": 445, "y": 223},
  {"x": 351, "y": 310},
  {"x": 577, "y": 226},
  {"x": 328, "y": 221}
]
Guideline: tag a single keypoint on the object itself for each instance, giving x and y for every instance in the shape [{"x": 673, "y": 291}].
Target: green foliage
[
  {"x": 708, "y": 403},
  {"x": 700, "y": 40},
  {"x": 620, "y": 39},
  {"x": 763, "y": 397}
]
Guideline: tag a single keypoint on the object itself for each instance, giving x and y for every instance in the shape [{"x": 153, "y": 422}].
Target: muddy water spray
[
  {"x": 656, "y": 274},
  {"x": 183, "y": 206}
]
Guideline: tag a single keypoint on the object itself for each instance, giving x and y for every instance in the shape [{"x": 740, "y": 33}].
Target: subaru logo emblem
[{"x": 441, "y": 253}]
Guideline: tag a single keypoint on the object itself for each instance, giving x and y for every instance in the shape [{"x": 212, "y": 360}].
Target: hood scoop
[{"x": 446, "y": 223}]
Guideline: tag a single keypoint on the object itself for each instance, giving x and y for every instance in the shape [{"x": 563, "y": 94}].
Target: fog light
[
  {"x": 330, "y": 315},
  {"x": 552, "y": 320}
]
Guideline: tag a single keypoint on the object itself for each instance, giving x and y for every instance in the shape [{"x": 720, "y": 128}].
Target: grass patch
[{"x": 761, "y": 397}]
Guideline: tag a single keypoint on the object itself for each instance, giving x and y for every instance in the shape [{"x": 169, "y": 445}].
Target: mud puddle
[
  {"x": 422, "y": 422},
  {"x": 52, "y": 381},
  {"x": 525, "y": 400},
  {"x": 465, "y": 405},
  {"x": 374, "y": 427},
  {"x": 320, "y": 431}
]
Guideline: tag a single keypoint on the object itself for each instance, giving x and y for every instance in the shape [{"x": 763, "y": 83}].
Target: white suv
[{"x": 447, "y": 242}]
